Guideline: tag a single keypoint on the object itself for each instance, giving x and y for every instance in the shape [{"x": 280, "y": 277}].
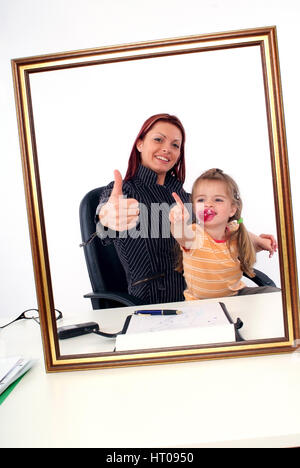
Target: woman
[
  {"x": 145, "y": 247},
  {"x": 134, "y": 214}
]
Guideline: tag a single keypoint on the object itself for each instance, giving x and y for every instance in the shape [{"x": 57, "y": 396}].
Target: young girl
[{"x": 217, "y": 249}]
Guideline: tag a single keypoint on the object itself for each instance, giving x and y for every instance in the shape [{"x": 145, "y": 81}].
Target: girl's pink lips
[{"x": 207, "y": 215}]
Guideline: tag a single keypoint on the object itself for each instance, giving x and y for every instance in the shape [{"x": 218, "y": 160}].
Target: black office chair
[{"x": 105, "y": 270}]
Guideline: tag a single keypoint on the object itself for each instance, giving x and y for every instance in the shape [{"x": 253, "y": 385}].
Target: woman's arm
[{"x": 264, "y": 242}]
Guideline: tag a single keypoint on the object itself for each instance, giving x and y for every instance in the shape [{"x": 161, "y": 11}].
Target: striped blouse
[
  {"x": 148, "y": 252},
  {"x": 211, "y": 269}
]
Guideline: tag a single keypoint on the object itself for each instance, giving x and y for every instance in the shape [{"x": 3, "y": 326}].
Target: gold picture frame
[{"x": 24, "y": 68}]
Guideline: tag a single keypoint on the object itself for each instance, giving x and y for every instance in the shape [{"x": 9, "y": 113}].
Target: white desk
[
  {"x": 260, "y": 322},
  {"x": 240, "y": 402}
]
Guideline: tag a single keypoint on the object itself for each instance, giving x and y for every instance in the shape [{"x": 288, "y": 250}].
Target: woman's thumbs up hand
[
  {"x": 119, "y": 213},
  {"x": 117, "y": 190}
]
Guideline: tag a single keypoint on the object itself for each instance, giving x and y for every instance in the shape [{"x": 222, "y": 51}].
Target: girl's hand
[
  {"x": 178, "y": 214},
  {"x": 181, "y": 230},
  {"x": 266, "y": 242}
]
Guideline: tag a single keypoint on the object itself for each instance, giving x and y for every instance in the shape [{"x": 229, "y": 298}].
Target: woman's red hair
[{"x": 135, "y": 157}]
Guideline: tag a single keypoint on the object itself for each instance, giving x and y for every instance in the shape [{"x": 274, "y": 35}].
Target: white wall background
[{"x": 34, "y": 27}]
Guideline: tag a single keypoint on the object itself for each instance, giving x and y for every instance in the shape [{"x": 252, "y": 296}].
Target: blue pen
[{"x": 158, "y": 312}]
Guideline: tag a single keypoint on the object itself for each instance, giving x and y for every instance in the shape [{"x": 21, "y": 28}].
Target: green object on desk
[{"x": 9, "y": 389}]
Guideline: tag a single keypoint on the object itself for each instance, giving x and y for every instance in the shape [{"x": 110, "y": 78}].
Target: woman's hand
[
  {"x": 119, "y": 213},
  {"x": 265, "y": 242}
]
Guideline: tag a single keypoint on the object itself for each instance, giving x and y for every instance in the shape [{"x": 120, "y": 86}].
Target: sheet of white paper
[
  {"x": 6, "y": 366},
  {"x": 196, "y": 325},
  {"x": 192, "y": 316}
]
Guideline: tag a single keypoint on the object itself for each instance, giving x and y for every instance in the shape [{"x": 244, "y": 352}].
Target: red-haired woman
[{"x": 138, "y": 210}]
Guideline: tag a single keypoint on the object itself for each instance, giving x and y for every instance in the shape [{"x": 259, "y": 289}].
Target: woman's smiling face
[{"x": 160, "y": 148}]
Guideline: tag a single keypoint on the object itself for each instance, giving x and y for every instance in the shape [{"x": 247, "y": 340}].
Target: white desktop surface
[
  {"x": 260, "y": 321},
  {"x": 239, "y": 402}
]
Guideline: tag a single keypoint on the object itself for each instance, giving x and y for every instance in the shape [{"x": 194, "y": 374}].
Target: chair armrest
[
  {"x": 123, "y": 298},
  {"x": 261, "y": 279}
]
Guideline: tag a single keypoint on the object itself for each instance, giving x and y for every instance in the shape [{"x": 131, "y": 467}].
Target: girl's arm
[{"x": 180, "y": 229}]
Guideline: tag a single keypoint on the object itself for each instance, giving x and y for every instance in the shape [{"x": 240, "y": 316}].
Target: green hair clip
[{"x": 239, "y": 221}]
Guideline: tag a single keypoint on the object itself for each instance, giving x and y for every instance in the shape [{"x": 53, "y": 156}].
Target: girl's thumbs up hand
[{"x": 179, "y": 213}]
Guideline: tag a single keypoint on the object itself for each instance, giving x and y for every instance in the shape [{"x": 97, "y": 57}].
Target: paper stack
[
  {"x": 11, "y": 368},
  {"x": 196, "y": 325}
]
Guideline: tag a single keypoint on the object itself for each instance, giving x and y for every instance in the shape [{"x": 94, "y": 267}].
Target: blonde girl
[{"x": 217, "y": 249}]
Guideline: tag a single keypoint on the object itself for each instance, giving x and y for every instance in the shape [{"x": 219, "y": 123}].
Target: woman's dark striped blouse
[{"x": 148, "y": 252}]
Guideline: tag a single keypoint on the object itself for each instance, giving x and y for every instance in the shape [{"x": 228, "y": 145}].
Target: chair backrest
[{"x": 104, "y": 267}]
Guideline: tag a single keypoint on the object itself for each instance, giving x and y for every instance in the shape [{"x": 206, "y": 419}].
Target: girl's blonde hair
[{"x": 246, "y": 252}]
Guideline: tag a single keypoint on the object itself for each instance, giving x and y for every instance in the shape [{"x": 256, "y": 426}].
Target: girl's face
[
  {"x": 160, "y": 148},
  {"x": 212, "y": 203}
]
